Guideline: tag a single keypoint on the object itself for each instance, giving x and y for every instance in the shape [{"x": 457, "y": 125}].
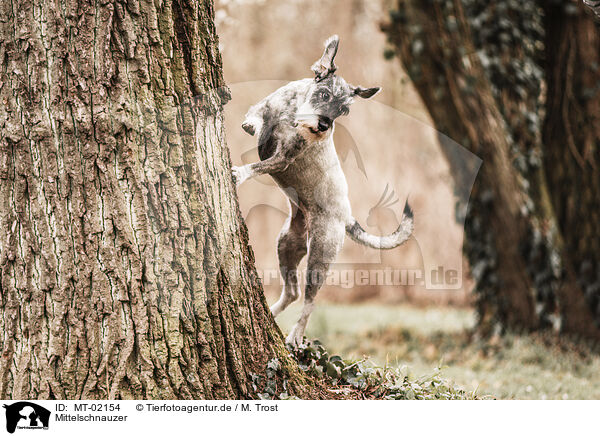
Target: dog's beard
[{"x": 309, "y": 130}]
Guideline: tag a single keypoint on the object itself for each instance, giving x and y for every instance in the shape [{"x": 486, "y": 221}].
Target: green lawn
[{"x": 418, "y": 339}]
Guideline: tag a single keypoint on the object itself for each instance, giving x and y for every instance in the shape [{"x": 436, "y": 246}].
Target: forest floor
[{"x": 416, "y": 340}]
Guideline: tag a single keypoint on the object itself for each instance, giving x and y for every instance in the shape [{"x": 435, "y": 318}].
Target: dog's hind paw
[{"x": 294, "y": 339}]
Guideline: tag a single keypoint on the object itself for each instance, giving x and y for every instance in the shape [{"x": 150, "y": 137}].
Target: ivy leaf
[{"x": 333, "y": 371}]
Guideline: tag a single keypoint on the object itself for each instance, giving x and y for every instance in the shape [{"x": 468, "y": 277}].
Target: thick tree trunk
[
  {"x": 125, "y": 269},
  {"x": 571, "y": 136},
  {"x": 476, "y": 67}
]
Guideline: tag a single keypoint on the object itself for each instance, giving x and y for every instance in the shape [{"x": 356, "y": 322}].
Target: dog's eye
[{"x": 324, "y": 95}]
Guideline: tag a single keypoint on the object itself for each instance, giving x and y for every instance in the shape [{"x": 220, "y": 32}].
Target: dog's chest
[{"x": 315, "y": 177}]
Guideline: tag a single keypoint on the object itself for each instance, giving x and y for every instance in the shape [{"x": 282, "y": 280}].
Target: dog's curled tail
[{"x": 401, "y": 235}]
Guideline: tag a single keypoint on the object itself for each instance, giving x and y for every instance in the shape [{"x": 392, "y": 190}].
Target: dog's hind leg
[
  {"x": 326, "y": 237},
  {"x": 291, "y": 248}
]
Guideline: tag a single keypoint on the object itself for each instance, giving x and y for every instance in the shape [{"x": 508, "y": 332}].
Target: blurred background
[{"x": 465, "y": 84}]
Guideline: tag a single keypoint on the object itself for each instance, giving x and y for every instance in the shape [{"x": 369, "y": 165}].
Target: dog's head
[{"x": 328, "y": 96}]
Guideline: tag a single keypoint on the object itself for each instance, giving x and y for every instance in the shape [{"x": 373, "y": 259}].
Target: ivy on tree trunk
[{"x": 490, "y": 74}]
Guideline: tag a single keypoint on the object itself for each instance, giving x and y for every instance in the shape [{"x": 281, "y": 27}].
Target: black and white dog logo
[{"x": 26, "y": 415}]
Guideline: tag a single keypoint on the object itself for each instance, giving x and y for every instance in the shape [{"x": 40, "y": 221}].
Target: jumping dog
[{"x": 294, "y": 126}]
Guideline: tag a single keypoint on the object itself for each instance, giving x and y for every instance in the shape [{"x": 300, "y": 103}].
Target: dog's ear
[
  {"x": 325, "y": 67},
  {"x": 366, "y": 92}
]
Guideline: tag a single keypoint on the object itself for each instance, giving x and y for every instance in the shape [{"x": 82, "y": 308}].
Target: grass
[{"x": 416, "y": 340}]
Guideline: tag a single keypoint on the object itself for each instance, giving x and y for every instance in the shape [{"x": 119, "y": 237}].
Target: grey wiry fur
[{"x": 295, "y": 126}]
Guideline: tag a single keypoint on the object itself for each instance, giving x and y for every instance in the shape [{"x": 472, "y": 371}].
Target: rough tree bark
[
  {"x": 571, "y": 138},
  {"x": 478, "y": 68},
  {"x": 125, "y": 270}
]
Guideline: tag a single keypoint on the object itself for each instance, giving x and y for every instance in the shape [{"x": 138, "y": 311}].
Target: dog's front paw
[
  {"x": 240, "y": 174},
  {"x": 252, "y": 125}
]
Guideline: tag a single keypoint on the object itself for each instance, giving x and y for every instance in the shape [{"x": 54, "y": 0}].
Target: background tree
[
  {"x": 517, "y": 84},
  {"x": 124, "y": 266}
]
